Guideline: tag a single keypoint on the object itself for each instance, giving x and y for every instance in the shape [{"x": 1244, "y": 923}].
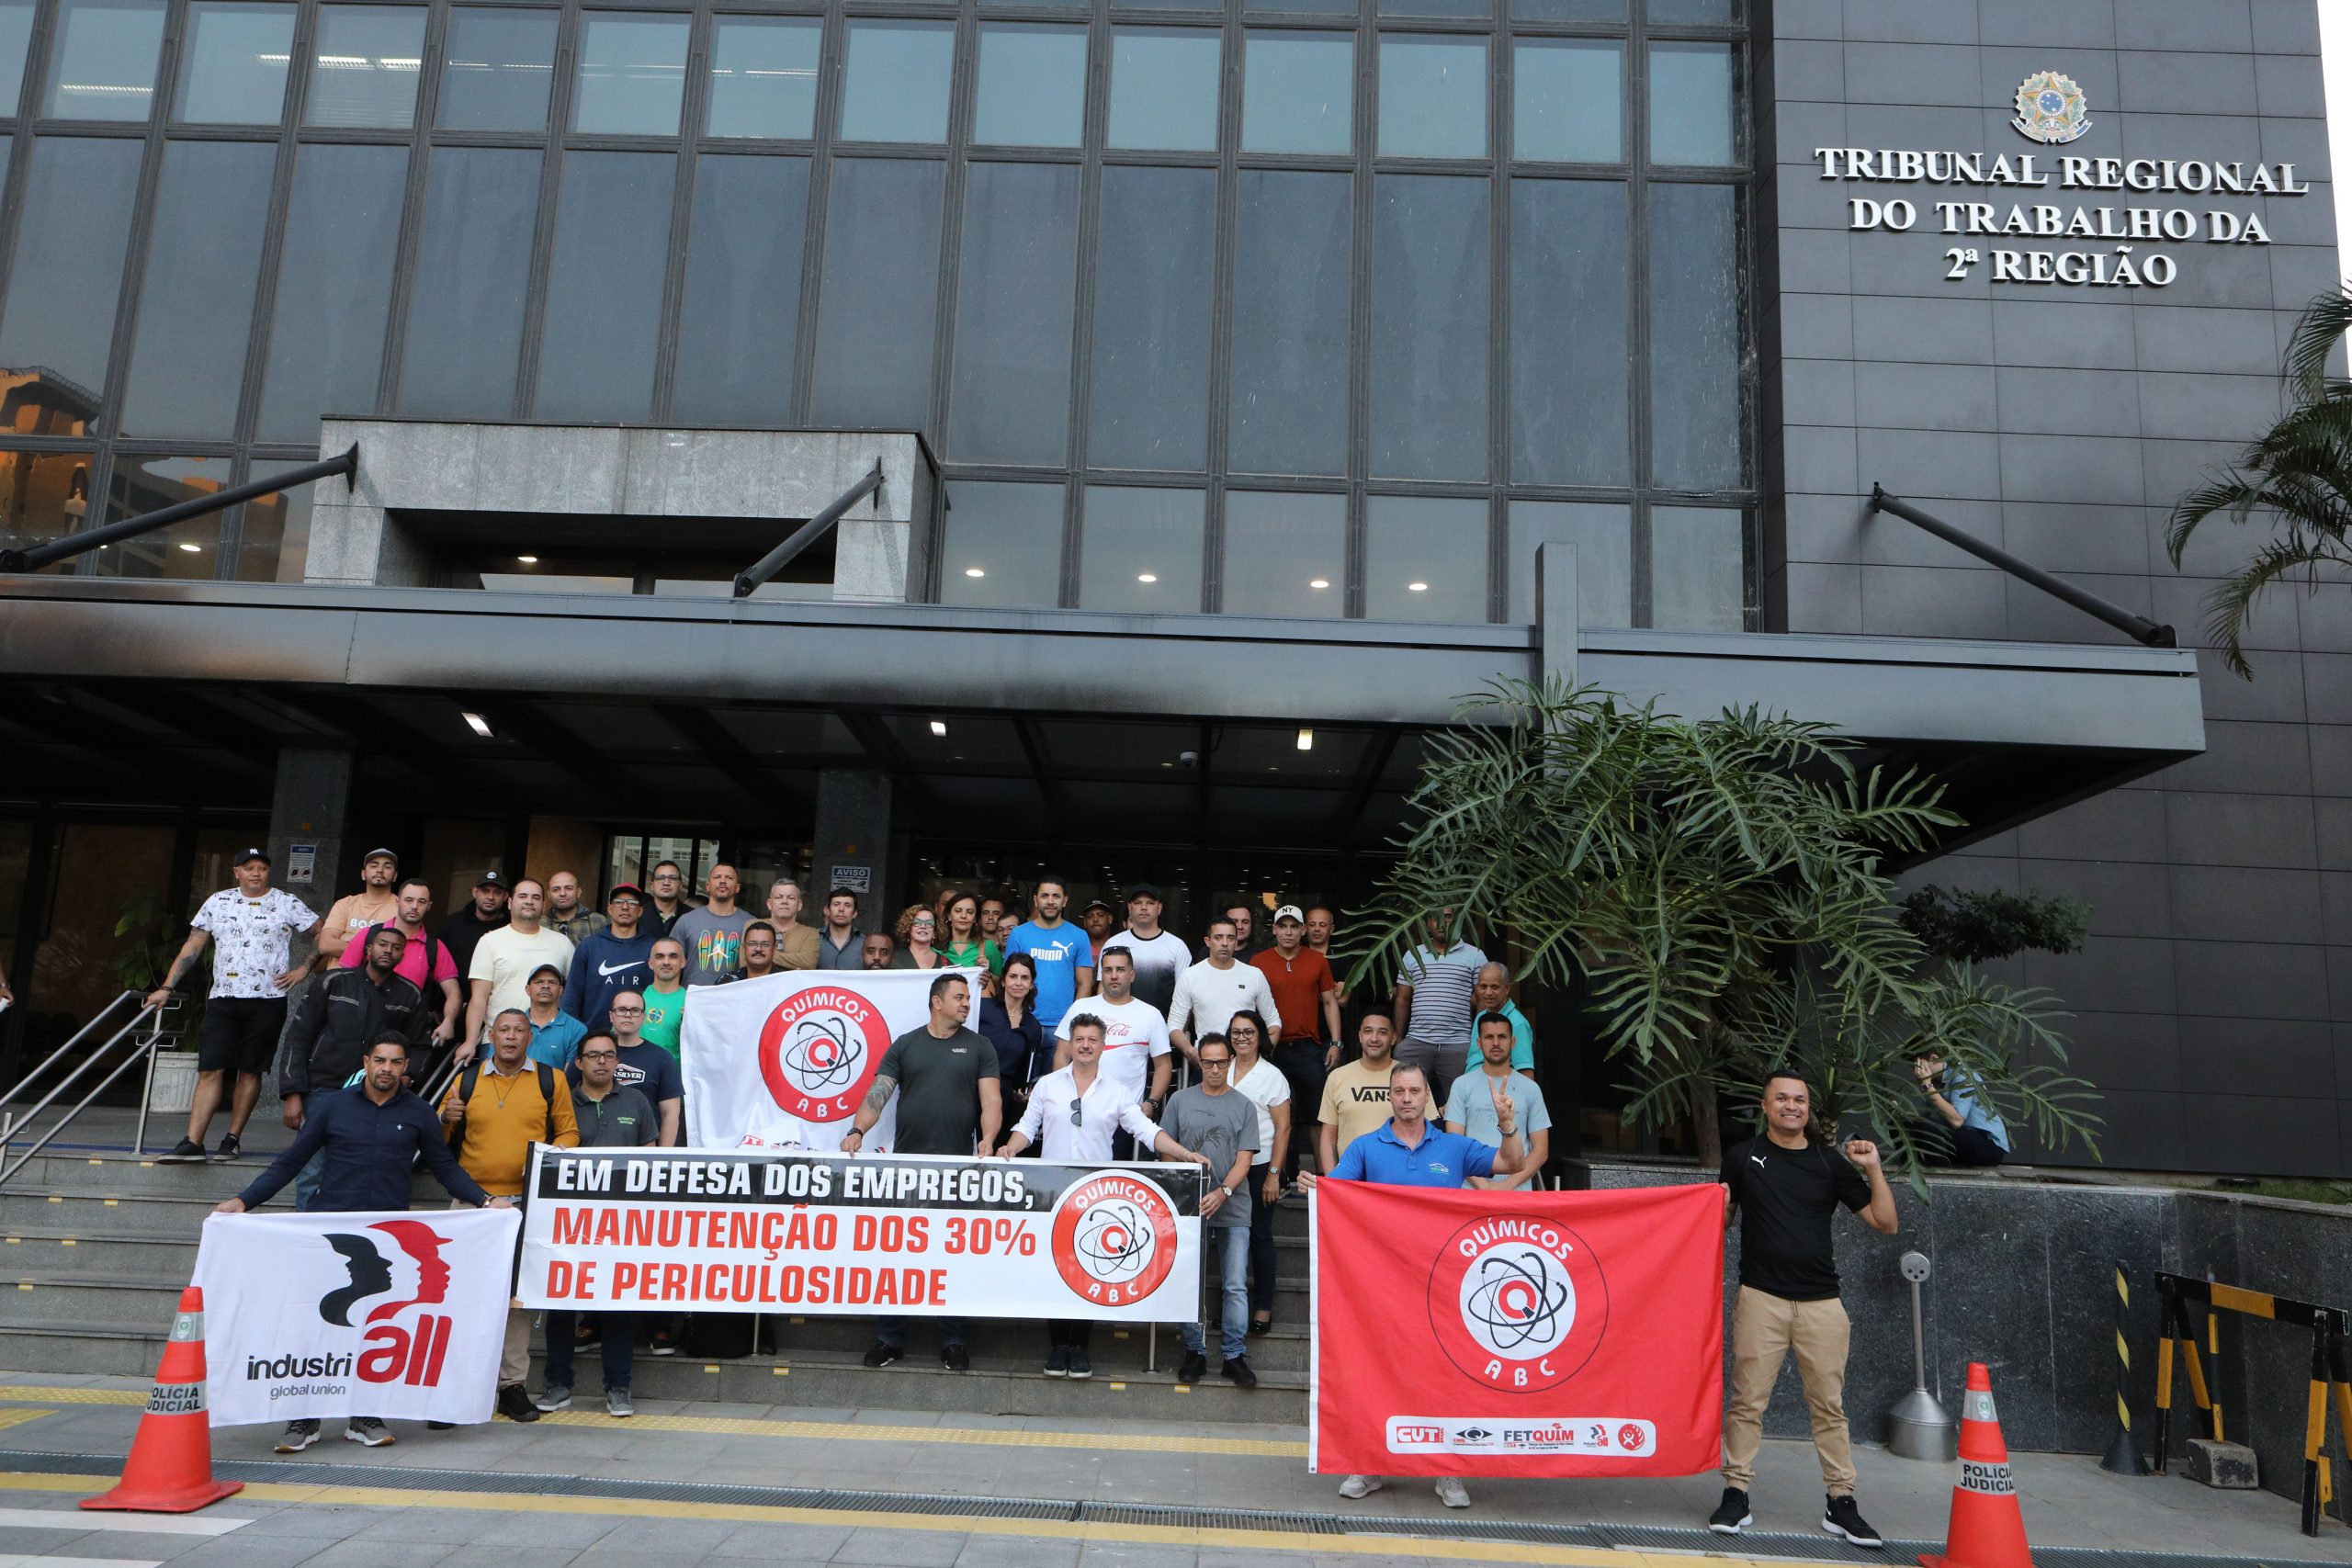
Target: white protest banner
[
  {"x": 390, "y": 1314},
  {"x": 762, "y": 1230},
  {"x": 785, "y": 1061}
]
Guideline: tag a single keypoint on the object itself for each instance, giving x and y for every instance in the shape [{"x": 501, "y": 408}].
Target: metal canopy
[{"x": 1057, "y": 720}]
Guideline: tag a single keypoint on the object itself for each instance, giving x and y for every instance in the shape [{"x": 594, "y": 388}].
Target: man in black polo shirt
[
  {"x": 1786, "y": 1186},
  {"x": 944, "y": 1076}
]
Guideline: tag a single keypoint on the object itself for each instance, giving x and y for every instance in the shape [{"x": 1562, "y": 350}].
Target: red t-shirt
[{"x": 1298, "y": 987}]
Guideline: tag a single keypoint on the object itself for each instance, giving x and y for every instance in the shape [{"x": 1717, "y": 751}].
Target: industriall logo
[
  {"x": 819, "y": 1050},
  {"x": 411, "y": 1351},
  {"x": 1518, "y": 1304},
  {"x": 1114, "y": 1238}
]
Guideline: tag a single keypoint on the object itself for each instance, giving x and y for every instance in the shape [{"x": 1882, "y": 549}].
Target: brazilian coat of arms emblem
[{"x": 2051, "y": 107}]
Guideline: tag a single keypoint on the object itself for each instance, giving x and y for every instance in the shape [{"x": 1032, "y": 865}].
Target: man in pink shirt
[{"x": 426, "y": 960}]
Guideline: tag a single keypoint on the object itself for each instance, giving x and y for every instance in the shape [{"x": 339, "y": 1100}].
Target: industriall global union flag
[{"x": 1536, "y": 1333}]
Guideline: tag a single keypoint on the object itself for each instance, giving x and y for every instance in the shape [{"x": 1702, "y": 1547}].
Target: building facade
[{"x": 1228, "y": 364}]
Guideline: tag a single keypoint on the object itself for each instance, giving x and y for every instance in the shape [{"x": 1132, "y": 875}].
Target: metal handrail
[{"x": 145, "y": 1050}]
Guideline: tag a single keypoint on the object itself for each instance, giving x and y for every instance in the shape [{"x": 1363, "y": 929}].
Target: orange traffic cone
[
  {"x": 1986, "y": 1531},
  {"x": 170, "y": 1467}
]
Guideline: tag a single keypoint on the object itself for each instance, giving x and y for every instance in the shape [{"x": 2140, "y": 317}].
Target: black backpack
[
  {"x": 434, "y": 947},
  {"x": 472, "y": 1075}
]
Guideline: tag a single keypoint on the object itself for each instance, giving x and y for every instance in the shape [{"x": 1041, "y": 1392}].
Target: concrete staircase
[{"x": 95, "y": 1248}]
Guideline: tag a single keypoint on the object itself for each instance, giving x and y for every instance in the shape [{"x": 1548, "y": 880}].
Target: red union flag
[{"x": 1538, "y": 1334}]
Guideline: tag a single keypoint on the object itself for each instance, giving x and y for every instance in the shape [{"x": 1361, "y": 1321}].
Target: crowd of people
[{"x": 558, "y": 1024}]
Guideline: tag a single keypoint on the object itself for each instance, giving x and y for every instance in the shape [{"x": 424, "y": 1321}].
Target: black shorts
[{"x": 240, "y": 1034}]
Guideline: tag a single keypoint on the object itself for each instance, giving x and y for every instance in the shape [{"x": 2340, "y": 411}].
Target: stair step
[{"x": 94, "y": 1213}]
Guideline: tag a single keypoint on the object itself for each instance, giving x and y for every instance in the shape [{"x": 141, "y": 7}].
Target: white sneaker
[
  {"x": 1452, "y": 1493},
  {"x": 1359, "y": 1486}
]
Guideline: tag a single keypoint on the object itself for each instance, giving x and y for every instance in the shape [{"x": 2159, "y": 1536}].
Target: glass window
[
  {"x": 1289, "y": 407},
  {"x": 1009, "y": 401},
  {"x": 1309, "y": 7},
  {"x": 1424, "y": 558},
  {"x": 196, "y": 305},
  {"x": 15, "y": 39},
  {"x": 1003, "y": 545},
  {"x": 1151, "y": 319},
  {"x": 47, "y": 497},
  {"x": 1698, "y": 582},
  {"x": 899, "y": 78},
  {"x": 612, "y": 247},
  {"x": 496, "y": 68},
  {"x": 632, "y": 74},
  {"x": 1479, "y": 9},
  {"x": 1690, "y": 95},
  {"x": 1032, "y": 89},
  {"x": 1567, "y": 100},
  {"x": 465, "y": 323},
  {"x": 335, "y": 287},
  {"x": 1298, "y": 93},
  {"x": 103, "y": 64},
  {"x": 1164, "y": 88},
  {"x": 1567, "y": 10},
  {"x": 274, "y": 535},
  {"x": 763, "y": 77},
  {"x": 365, "y": 71},
  {"x": 740, "y": 321},
  {"x": 187, "y": 549},
  {"x": 1140, "y": 550},
  {"x": 67, "y": 273},
  {"x": 1429, "y": 328},
  {"x": 1285, "y": 554},
  {"x": 1432, "y": 97},
  {"x": 233, "y": 69},
  {"x": 1603, "y": 535},
  {"x": 1568, "y": 320},
  {"x": 1692, "y": 11},
  {"x": 1694, "y": 337},
  {"x": 881, "y": 281}
]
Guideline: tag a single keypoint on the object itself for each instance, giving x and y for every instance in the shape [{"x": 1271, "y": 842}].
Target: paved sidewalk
[{"x": 2068, "y": 1501}]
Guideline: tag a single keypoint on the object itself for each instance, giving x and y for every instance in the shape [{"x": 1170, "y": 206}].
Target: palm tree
[
  {"x": 2299, "y": 475},
  {"x": 1717, "y": 886}
]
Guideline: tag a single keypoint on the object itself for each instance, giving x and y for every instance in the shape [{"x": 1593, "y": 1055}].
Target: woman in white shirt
[{"x": 1265, "y": 1087}]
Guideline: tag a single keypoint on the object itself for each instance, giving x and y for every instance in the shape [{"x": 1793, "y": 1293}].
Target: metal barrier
[
  {"x": 2329, "y": 1370},
  {"x": 143, "y": 1050}
]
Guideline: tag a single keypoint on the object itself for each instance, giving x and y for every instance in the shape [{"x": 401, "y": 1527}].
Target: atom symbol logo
[
  {"x": 1516, "y": 1303},
  {"x": 820, "y": 1054},
  {"x": 1113, "y": 1241}
]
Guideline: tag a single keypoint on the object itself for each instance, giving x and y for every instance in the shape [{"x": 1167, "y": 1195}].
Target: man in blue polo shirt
[{"x": 1408, "y": 1152}]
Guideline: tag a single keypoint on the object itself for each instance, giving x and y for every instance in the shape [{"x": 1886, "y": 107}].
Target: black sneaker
[
  {"x": 1058, "y": 1361},
  {"x": 881, "y": 1353},
  {"x": 298, "y": 1435},
  {"x": 229, "y": 1149},
  {"x": 1731, "y": 1514},
  {"x": 188, "y": 1151},
  {"x": 1238, "y": 1372},
  {"x": 664, "y": 1343},
  {"x": 1842, "y": 1518},
  {"x": 1195, "y": 1367},
  {"x": 955, "y": 1357},
  {"x": 1081, "y": 1366},
  {"x": 515, "y": 1403}
]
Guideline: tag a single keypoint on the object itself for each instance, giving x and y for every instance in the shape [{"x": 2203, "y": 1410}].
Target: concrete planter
[{"x": 174, "y": 1087}]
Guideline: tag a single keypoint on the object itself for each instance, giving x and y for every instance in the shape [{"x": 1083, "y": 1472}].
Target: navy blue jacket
[{"x": 370, "y": 1151}]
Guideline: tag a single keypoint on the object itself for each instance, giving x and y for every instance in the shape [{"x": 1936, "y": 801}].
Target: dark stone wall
[
  {"x": 2063, "y": 423},
  {"x": 2024, "y": 1281}
]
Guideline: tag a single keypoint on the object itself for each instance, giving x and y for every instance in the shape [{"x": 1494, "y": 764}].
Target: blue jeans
[
  {"x": 619, "y": 1330},
  {"x": 307, "y": 1179},
  {"x": 1227, "y": 1259},
  {"x": 892, "y": 1331}
]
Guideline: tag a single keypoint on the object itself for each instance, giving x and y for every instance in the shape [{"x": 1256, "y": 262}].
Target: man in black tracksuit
[{"x": 339, "y": 1018}]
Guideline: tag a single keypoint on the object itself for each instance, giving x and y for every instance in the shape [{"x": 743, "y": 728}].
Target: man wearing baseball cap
[
  {"x": 1161, "y": 954},
  {"x": 461, "y": 931},
  {"x": 374, "y": 904},
  {"x": 251, "y": 927},
  {"x": 1307, "y": 994}
]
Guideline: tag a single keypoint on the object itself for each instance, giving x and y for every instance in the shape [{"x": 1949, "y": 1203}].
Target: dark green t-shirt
[{"x": 939, "y": 1090}]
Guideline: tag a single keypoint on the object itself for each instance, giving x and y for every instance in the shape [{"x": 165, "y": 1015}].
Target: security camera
[{"x": 1190, "y": 759}]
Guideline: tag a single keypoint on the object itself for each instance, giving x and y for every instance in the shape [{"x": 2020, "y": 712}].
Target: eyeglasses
[
  {"x": 600, "y": 1055},
  {"x": 622, "y": 1009}
]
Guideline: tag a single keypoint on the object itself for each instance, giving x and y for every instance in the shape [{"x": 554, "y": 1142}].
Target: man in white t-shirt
[
  {"x": 1134, "y": 1035},
  {"x": 1212, "y": 991},
  {"x": 499, "y": 976},
  {"x": 1161, "y": 954}
]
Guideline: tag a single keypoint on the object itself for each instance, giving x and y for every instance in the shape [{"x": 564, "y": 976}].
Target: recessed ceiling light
[
  {"x": 1147, "y": 577},
  {"x": 974, "y": 572},
  {"x": 193, "y": 550},
  {"x": 939, "y": 728},
  {"x": 1306, "y": 740},
  {"x": 1320, "y": 582},
  {"x": 1417, "y": 588},
  {"x": 528, "y": 560},
  {"x": 478, "y": 724}
]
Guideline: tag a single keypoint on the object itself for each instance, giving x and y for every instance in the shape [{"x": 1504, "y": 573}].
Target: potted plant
[{"x": 147, "y": 931}]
